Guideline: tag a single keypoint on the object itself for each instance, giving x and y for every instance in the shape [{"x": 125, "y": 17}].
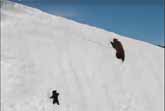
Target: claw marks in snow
[{"x": 116, "y": 44}]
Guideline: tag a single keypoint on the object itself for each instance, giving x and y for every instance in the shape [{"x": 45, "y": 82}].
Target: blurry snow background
[{"x": 42, "y": 52}]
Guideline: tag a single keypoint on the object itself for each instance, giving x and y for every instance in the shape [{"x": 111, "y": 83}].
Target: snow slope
[{"x": 42, "y": 52}]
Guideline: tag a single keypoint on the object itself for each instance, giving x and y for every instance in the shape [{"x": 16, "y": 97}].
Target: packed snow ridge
[{"x": 41, "y": 53}]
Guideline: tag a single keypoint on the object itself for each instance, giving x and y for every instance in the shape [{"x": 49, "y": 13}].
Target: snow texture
[{"x": 42, "y": 52}]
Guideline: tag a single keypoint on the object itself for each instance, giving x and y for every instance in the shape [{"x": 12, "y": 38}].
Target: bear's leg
[
  {"x": 113, "y": 45},
  {"x": 118, "y": 55}
]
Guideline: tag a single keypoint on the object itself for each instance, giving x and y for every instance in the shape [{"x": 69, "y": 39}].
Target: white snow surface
[{"x": 42, "y": 52}]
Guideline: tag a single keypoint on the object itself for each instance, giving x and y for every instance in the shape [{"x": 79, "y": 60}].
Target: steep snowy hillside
[{"x": 42, "y": 52}]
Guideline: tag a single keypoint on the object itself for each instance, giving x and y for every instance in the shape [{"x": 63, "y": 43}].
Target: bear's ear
[{"x": 114, "y": 40}]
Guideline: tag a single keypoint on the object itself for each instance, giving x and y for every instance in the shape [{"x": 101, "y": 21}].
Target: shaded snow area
[{"x": 41, "y": 53}]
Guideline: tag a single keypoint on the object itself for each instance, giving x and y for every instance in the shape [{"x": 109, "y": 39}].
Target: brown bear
[
  {"x": 55, "y": 97},
  {"x": 116, "y": 44}
]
